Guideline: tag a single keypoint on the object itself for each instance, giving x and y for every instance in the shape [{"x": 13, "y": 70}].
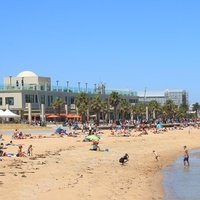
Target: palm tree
[
  {"x": 114, "y": 100},
  {"x": 105, "y": 109},
  {"x": 154, "y": 107},
  {"x": 124, "y": 107},
  {"x": 170, "y": 109},
  {"x": 81, "y": 102},
  {"x": 196, "y": 108},
  {"x": 182, "y": 110},
  {"x": 96, "y": 106},
  {"x": 57, "y": 105},
  {"x": 133, "y": 110},
  {"x": 140, "y": 110}
]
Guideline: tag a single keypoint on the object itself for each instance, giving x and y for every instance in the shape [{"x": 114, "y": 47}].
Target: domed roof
[{"x": 27, "y": 74}]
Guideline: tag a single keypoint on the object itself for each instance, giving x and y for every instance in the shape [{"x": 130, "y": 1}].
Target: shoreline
[{"x": 66, "y": 167}]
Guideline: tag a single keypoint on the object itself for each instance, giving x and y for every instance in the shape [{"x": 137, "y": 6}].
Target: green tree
[
  {"x": 124, "y": 107},
  {"x": 57, "y": 105},
  {"x": 105, "y": 109},
  {"x": 81, "y": 102},
  {"x": 154, "y": 108},
  {"x": 133, "y": 111},
  {"x": 140, "y": 110},
  {"x": 114, "y": 100},
  {"x": 182, "y": 111},
  {"x": 196, "y": 108},
  {"x": 169, "y": 109},
  {"x": 96, "y": 106}
]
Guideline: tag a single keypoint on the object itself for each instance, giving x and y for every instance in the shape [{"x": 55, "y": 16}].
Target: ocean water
[
  {"x": 183, "y": 183},
  {"x": 29, "y": 131}
]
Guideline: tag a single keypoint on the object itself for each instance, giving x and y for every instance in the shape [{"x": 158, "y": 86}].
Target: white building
[
  {"x": 27, "y": 87},
  {"x": 179, "y": 97}
]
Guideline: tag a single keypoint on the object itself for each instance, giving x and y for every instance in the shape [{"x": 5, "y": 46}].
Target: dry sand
[{"x": 65, "y": 168}]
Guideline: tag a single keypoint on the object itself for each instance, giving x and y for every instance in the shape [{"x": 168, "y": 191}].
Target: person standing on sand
[
  {"x": 186, "y": 157},
  {"x": 156, "y": 155}
]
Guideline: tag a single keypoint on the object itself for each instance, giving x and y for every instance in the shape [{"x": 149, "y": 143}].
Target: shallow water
[
  {"x": 29, "y": 131},
  {"x": 183, "y": 183}
]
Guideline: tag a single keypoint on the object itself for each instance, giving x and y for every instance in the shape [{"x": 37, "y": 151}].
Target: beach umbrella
[
  {"x": 72, "y": 115},
  {"x": 93, "y": 138},
  {"x": 52, "y": 116}
]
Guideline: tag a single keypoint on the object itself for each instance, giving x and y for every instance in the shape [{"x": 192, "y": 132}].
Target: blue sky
[{"x": 129, "y": 44}]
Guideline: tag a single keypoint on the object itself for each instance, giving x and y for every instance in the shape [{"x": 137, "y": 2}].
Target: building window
[
  {"x": 36, "y": 99},
  {"x": 29, "y": 98},
  {"x": 67, "y": 100},
  {"x": 42, "y": 99},
  {"x": 10, "y": 100},
  {"x": 50, "y": 100},
  {"x": 133, "y": 101},
  {"x": 72, "y": 100},
  {"x": 1, "y": 101}
]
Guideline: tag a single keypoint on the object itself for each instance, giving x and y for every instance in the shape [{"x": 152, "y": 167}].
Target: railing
[{"x": 65, "y": 89}]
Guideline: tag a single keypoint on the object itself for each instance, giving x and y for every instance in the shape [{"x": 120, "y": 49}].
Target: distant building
[
  {"x": 29, "y": 88},
  {"x": 179, "y": 97}
]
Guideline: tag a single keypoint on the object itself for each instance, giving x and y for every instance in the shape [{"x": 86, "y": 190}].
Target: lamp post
[
  {"x": 67, "y": 86},
  {"x": 79, "y": 86},
  {"x": 86, "y": 87},
  {"x": 57, "y": 84},
  {"x": 22, "y": 82},
  {"x": 95, "y": 87},
  {"x": 10, "y": 77}
]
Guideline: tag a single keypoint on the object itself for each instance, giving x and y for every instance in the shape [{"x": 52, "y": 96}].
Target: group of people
[
  {"x": 20, "y": 152},
  {"x": 19, "y": 135},
  {"x": 185, "y": 156}
]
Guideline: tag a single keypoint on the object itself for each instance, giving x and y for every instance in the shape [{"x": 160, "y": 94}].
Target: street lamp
[
  {"x": 22, "y": 82},
  {"x": 10, "y": 81},
  {"x": 86, "y": 87},
  {"x": 79, "y": 86},
  {"x": 95, "y": 87},
  {"x": 57, "y": 84},
  {"x": 67, "y": 86}
]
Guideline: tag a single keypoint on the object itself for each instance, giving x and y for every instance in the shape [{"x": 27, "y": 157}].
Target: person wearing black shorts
[{"x": 186, "y": 157}]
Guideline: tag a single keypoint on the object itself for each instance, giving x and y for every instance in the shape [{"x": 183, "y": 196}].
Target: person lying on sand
[
  {"x": 2, "y": 146},
  {"x": 2, "y": 153}
]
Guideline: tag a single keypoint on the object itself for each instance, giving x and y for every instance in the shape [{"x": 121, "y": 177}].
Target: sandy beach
[{"x": 65, "y": 168}]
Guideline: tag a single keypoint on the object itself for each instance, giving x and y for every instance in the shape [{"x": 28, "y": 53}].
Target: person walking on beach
[
  {"x": 156, "y": 155},
  {"x": 186, "y": 157}
]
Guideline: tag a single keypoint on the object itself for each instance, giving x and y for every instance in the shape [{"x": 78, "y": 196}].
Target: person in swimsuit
[
  {"x": 156, "y": 155},
  {"x": 186, "y": 157}
]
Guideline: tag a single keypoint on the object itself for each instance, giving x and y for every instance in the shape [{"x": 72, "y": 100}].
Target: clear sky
[{"x": 126, "y": 44}]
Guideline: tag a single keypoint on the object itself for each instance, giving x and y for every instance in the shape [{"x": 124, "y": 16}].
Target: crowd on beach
[
  {"x": 19, "y": 150},
  {"x": 92, "y": 134}
]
